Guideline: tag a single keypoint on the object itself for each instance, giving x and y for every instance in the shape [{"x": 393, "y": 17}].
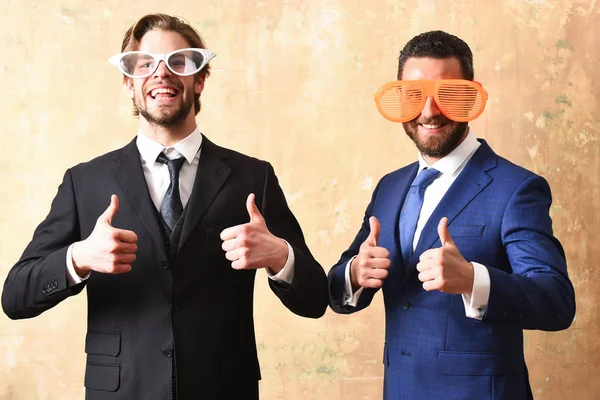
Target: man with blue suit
[{"x": 460, "y": 242}]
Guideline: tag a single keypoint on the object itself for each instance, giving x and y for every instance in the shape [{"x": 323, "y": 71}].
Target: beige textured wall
[{"x": 293, "y": 83}]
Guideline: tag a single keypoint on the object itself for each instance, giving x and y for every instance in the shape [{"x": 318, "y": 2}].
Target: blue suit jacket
[{"x": 498, "y": 215}]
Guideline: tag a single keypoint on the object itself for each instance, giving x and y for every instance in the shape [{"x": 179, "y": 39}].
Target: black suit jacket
[{"x": 193, "y": 314}]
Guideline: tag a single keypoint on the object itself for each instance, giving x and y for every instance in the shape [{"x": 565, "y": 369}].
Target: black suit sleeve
[
  {"x": 38, "y": 281},
  {"x": 307, "y": 296}
]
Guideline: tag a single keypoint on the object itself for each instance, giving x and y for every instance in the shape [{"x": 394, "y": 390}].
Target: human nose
[
  {"x": 161, "y": 70},
  {"x": 430, "y": 109}
]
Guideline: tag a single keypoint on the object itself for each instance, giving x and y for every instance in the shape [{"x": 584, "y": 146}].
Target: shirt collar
[
  {"x": 450, "y": 164},
  {"x": 187, "y": 147}
]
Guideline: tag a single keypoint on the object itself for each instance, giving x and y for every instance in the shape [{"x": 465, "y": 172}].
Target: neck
[
  {"x": 430, "y": 160},
  {"x": 168, "y": 135}
]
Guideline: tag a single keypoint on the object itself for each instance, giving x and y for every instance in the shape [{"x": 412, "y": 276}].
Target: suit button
[
  {"x": 48, "y": 288},
  {"x": 175, "y": 307},
  {"x": 168, "y": 352},
  {"x": 165, "y": 264},
  {"x": 405, "y": 304}
]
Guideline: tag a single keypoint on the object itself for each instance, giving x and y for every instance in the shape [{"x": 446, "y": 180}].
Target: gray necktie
[{"x": 171, "y": 207}]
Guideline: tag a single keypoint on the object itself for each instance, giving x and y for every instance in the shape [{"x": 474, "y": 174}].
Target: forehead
[
  {"x": 160, "y": 41},
  {"x": 432, "y": 68}
]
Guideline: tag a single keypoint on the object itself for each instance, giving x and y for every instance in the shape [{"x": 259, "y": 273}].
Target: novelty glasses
[
  {"x": 182, "y": 62},
  {"x": 459, "y": 100}
]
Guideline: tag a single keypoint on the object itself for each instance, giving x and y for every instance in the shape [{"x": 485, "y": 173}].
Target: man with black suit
[{"x": 170, "y": 264}]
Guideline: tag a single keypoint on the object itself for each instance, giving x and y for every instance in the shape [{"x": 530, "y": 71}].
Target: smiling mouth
[
  {"x": 433, "y": 127},
  {"x": 163, "y": 93}
]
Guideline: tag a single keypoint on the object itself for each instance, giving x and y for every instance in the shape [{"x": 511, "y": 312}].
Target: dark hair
[
  {"x": 438, "y": 44},
  {"x": 164, "y": 22}
]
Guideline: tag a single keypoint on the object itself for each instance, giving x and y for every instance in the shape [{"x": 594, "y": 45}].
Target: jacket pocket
[
  {"x": 466, "y": 230},
  {"x": 104, "y": 377},
  {"x": 102, "y": 371},
  {"x": 471, "y": 364}
]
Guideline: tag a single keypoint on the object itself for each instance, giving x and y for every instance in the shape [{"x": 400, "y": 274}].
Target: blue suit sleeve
[
  {"x": 538, "y": 293},
  {"x": 336, "y": 276}
]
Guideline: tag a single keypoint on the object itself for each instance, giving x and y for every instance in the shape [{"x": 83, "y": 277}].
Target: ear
[
  {"x": 128, "y": 83},
  {"x": 199, "y": 85}
]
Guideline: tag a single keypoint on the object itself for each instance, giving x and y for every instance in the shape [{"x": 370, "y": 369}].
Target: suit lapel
[
  {"x": 211, "y": 175},
  {"x": 130, "y": 177},
  {"x": 472, "y": 180}
]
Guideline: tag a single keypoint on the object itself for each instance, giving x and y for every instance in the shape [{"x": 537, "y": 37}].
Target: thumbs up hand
[
  {"x": 444, "y": 268},
  {"x": 108, "y": 214},
  {"x": 370, "y": 267},
  {"x": 253, "y": 212},
  {"x": 252, "y": 245},
  {"x": 107, "y": 250}
]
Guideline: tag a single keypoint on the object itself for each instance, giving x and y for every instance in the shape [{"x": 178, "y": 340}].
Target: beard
[
  {"x": 440, "y": 144},
  {"x": 167, "y": 117}
]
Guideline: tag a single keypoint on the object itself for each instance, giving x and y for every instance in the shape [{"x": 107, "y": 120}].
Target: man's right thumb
[
  {"x": 373, "y": 238},
  {"x": 112, "y": 209}
]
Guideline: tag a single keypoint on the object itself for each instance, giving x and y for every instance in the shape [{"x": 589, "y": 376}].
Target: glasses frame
[
  {"x": 430, "y": 88},
  {"x": 116, "y": 60}
]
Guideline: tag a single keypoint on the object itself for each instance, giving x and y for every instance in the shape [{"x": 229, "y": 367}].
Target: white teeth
[
  {"x": 163, "y": 91},
  {"x": 426, "y": 126}
]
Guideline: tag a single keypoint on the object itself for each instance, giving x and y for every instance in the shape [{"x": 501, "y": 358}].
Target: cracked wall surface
[{"x": 293, "y": 83}]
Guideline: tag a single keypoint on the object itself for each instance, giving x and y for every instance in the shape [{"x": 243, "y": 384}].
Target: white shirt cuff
[
  {"x": 287, "y": 272},
  {"x": 476, "y": 303},
  {"x": 72, "y": 276},
  {"x": 350, "y": 299}
]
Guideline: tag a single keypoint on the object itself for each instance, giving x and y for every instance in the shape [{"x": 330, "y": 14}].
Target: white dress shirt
[
  {"x": 158, "y": 180},
  {"x": 450, "y": 167}
]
